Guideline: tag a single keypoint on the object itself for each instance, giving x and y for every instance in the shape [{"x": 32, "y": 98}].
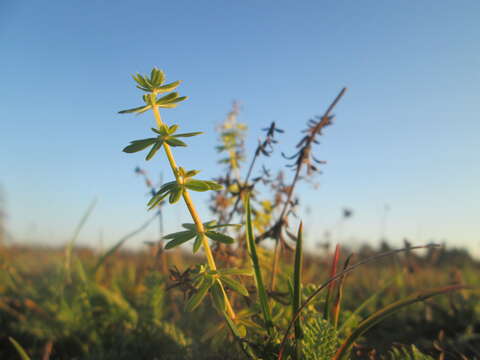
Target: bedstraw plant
[{"x": 209, "y": 279}]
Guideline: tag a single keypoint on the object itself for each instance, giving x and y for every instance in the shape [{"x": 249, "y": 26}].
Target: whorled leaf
[
  {"x": 179, "y": 238},
  {"x": 198, "y": 297},
  {"x": 234, "y": 285},
  {"x": 216, "y": 236}
]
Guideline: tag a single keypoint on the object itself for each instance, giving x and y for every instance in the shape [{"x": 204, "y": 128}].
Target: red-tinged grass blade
[
  {"x": 333, "y": 271},
  {"x": 297, "y": 289},
  {"x": 21, "y": 351},
  {"x": 338, "y": 298},
  {"x": 252, "y": 251},
  {"x": 336, "y": 277},
  {"x": 344, "y": 351}
]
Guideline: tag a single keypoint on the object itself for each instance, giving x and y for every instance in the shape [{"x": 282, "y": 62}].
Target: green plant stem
[{"x": 191, "y": 207}]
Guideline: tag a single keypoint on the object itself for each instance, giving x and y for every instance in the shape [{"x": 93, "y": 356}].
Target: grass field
[
  {"x": 232, "y": 297},
  {"x": 129, "y": 308}
]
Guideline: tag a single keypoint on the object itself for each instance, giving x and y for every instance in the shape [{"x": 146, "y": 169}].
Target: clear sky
[{"x": 407, "y": 133}]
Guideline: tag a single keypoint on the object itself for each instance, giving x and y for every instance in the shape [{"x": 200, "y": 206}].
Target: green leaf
[
  {"x": 173, "y": 103},
  {"x": 143, "y": 88},
  {"x": 190, "y": 226},
  {"x": 169, "y": 87},
  {"x": 213, "y": 185},
  {"x": 171, "y": 130},
  {"x": 162, "y": 130},
  {"x": 196, "y": 299},
  {"x": 139, "y": 145},
  {"x": 157, "y": 76},
  {"x": 191, "y": 173},
  {"x": 21, "y": 351},
  {"x": 197, "y": 244},
  {"x": 297, "y": 286},
  {"x": 168, "y": 106},
  {"x": 216, "y": 236},
  {"x": 178, "y": 238},
  {"x": 140, "y": 80},
  {"x": 140, "y": 109},
  {"x": 179, "y": 234},
  {"x": 235, "y": 285},
  {"x": 217, "y": 297},
  {"x": 167, "y": 98},
  {"x": 178, "y": 99},
  {"x": 197, "y": 185},
  {"x": 164, "y": 190},
  {"x": 175, "y": 194},
  {"x": 189, "y": 134},
  {"x": 252, "y": 251},
  {"x": 174, "y": 142},
  {"x": 154, "y": 150}
]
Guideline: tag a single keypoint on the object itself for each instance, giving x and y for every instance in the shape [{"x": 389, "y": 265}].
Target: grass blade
[
  {"x": 297, "y": 289},
  {"x": 119, "y": 244},
  {"x": 338, "y": 298},
  {"x": 333, "y": 271},
  {"x": 71, "y": 243},
  {"x": 337, "y": 276},
  {"x": 252, "y": 251},
  {"x": 21, "y": 351},
  {"x": 378, "y": 316}
]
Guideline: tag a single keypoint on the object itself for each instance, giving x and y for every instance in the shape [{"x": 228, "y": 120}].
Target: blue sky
[{"x": 406, "y": 133}]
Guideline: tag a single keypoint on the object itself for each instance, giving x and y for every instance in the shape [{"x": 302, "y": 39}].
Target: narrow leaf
[
  {"x": 179, "y": 239},
  {"x": 140, "y": 109},
  {"x": 252, "y": 251},
  {"x": 21, "y": 351},
  {"x": 333, "y": 271},
  {"x": 213, "y": 185},
  {"x": 364, "y": 326},
  {"x": 217, "y": 297},
  {"x": 234, "y": 285},
  {"x": 189, "y": 134},
  {"x": 197, "y": 185},
  {"x": 196, "y": 299},
  {"x": 297, "y": 285},
  {"x": 154, "y": 150},
  {"x": 172, "y": 129},
  {"x": 216, "y": 236},
  {"x": 175, "y": 195},
  {"x": 179, "y": 233},
  {"x": 174, "y": 142},
  {"x": 167, "y": 98},
  {"x": 190, "y": 226},
  {"x": 138, "y": 145},
  {"x": 169, "y": 87},
  {"x": 197, "y": 244}
]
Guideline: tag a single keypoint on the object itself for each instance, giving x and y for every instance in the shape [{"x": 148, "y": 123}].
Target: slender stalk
[
  {"x": 303, "y": 155},
  {"x": 191, "y": 207}
]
